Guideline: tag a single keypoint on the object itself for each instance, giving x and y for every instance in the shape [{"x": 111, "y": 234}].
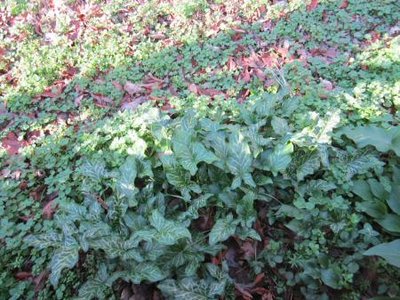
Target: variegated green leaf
[
  {"x": 64, "y": 257},
  {"x": 222, "y": 230},
  {"x": 126, "y": 180},
  {"x": 168, "y": 232}
]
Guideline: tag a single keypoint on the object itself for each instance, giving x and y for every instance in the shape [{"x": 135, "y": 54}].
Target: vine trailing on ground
[{"x": 186, "y": 188}]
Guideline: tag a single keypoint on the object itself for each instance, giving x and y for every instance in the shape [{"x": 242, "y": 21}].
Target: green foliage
[
  {"x": 141, "y": 209},
  {"x": 214, "y": 198}
]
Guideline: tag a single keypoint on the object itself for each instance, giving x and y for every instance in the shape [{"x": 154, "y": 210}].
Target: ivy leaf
[
  {"x": 221, "y": 148},
  {"x": 222, "y": 230},
  {"x": 196, "y": 204},
  {"x": 278, "y": 159},
  {"x": 186, "y": 289},
  {"x": 264, "y": 106},
  {"x": 240, "y": 160},
  {"x": 64, "y": 257},
  {"x": 168, "y": 232},
  {"x": 126, "y": 180},
  {"x": 146, "y": 271},
  {"x": 92, "y": 289},
  {"x": 190, "y": 153},
  {"x": 308, "y": 167},
  {"x": 280, "y": 125},
  {"x": 43, "y": 241},
  {"x": 389, "y": 251},
  {"x": 361, "y": 164},
  {"x": 95, "y": 170}
]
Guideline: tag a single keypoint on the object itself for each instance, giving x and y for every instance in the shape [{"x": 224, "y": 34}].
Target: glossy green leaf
[{"x": 389, "y": 251}]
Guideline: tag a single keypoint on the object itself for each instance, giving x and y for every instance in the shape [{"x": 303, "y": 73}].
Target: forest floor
[{"x": 69, "y": 67}]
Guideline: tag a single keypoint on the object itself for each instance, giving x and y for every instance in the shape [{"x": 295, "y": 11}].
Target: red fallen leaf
[
  {"x": 23, "y": 275},
  {"x": 75, "y": 31},
  {"x": 40, "y": 280},
  {"x": 269, "y": 60},
  {"x": 33, "y": 135},
  {"x": 327, "y": 84},
  {"x": 173, "y": 91},
  {"x": 243, "y": 94},
  {"x": 78, "y": 100},
  {"x": 260, "y": 74},
  {"x": 331, "y": 52},
  {"x": 252, "y": 61},
  {"x": 134, "y": 103},
  {"x": 364, "y": 67},
  {"x": 157, "y": 36},
  {"x": 167, "y": 106},
  {"x": 38, "y": 28},
  {"x": 236, "y": 37},
  {"x": 70, "y": 71},
  {"x": 36, "y": 194},
  {"x": 151, "y": 78},
  {"x": 344, "y": 4},
  {"x": 132, "y": 88},
  {"x": 313, "y": 5},
  {"x": 48, "y": 210},
  {"x": 2, "y": 52},
  {"x": 26, "y": 218},
  {"x": 194, "y": 63},
  {"x": 248, "y": 249},
  {"x": 246, "y": 76},
  {"x": 23, "y": 185},
  {"x": 325, "y": 17},
  {"x": 117, "y": 85},
  {"x": 259, "y": 278},
  {"x": 12, "y": 144},
  {"x": 53, "y": 91},
  {"x": 282, "y": 51},
  {"x": 375, "y": 36},
  {"x": 263, "y": 292},
  {"x": 231, "y": 64},
  {"x": 245, "y": 294},
  {"x": 101, "y": 100},
  {"x": 211, "y": 92},
  {"x": 193, "y": 88}
]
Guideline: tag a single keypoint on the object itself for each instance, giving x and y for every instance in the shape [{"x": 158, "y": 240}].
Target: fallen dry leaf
[
  {"x": 313, "y": 5},
  {"x": 23, "y": 275},
  {"x": 134, "y": 103},
  {"x": 132, "y": 88},
  {"x": 12, "y": 144},
  {"x": 327, "y": 84},
  {"x": 344, "y": 4},
  {"x": 101, "y": 100},
  {"x": 48, "y": 210},
  {"x": 40, "y": 280},
  {"x": 118, "y": 86},
  {"x": 78, "y": 100},
  {"x": 193, "y": 88}
]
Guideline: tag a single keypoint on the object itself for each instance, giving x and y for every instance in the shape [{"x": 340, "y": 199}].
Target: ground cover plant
[{"x": 200, "y": 149}]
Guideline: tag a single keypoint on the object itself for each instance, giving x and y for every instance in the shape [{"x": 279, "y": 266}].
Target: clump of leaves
[{"x": 181, "y": 190}]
